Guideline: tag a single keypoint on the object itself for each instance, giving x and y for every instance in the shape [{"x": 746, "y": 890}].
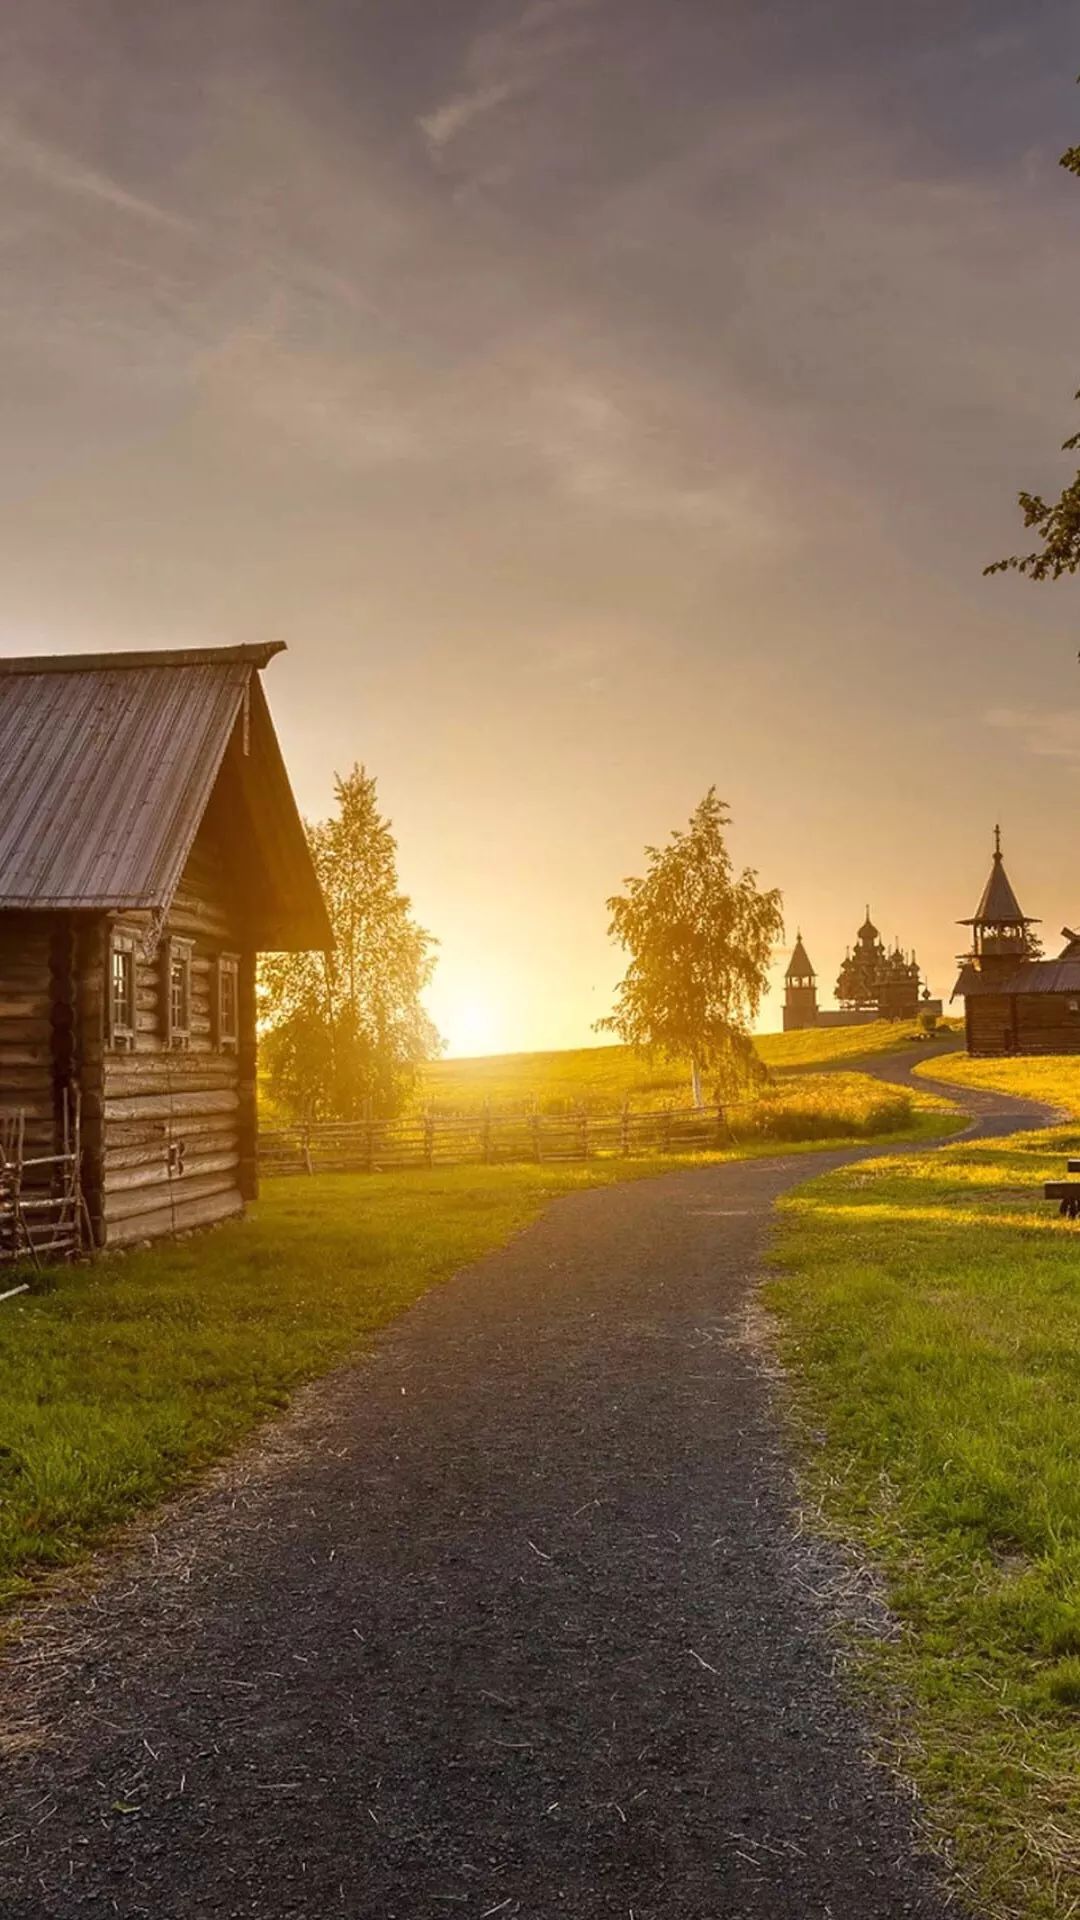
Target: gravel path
[{"x": 510, "y": 1619}]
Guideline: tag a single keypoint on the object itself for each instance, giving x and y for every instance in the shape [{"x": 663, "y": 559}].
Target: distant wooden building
[
  {"x": 800, "y": 990},
  {"x": 878, "y": 983},
  {"x": 150, "y": 846},
  {"x": 873, "y": 985},
  {"x": 1015, "y": 1001}
]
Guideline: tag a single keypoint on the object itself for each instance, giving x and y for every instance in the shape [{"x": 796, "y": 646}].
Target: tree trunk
[{"x": 695, "y": 1078}]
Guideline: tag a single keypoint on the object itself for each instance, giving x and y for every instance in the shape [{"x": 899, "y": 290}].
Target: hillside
[{"x": 603, "y": 1078}]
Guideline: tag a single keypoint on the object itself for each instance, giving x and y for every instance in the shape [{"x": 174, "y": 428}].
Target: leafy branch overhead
[
  {"x": 1056, "y": 522},
  {"x": 699, "y": 939}
]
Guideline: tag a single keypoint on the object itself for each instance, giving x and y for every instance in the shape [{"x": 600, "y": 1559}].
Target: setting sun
[{"x": 472, "y": 1018}]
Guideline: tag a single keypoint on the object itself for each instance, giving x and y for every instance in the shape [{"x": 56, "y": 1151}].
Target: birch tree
[
  {"x": 699, "y": 938},
  {"x": 346, "y": 1032}
]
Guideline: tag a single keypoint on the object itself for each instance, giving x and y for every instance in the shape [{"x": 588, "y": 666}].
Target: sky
[{"x": 604, "y": 400}]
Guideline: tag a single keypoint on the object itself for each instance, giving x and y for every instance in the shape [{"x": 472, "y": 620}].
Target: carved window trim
[
  {"x": 121, "y": 989},
  {"x": 227, "y": 1003},
  {"x": 175, "y": 992}
]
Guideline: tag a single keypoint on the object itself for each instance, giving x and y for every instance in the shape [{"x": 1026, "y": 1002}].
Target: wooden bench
[{"x": 1067, "y": 1192}]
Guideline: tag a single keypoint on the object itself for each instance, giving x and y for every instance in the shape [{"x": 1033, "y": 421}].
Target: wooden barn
[
  {"x": 150, "y": 846},
  {"x": 1015, "y": 1001}
]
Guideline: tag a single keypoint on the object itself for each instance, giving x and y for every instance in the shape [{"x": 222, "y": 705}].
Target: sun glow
[{"x": 471, "y": 1022}]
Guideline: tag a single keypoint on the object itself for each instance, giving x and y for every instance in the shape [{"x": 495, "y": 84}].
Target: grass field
[
  {"x": 930, "y": 1319},
  {"x": 602, "y": 1078},
  {"x": 1052, "y": 1078},
  {"x": 118, "y": 1380}
]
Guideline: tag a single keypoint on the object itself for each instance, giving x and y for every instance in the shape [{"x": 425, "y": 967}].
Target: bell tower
[
  {"x": 1001, "y": 934},
  {"x": 800, "y": 990}
]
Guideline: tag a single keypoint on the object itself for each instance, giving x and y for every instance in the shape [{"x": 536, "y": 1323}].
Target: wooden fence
[
  {"x": 492, "y": 1139},
  {"x": 41, "y": 1201}
]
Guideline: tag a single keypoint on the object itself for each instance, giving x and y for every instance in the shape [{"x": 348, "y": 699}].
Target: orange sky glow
[{"x": 603, "y": 401}]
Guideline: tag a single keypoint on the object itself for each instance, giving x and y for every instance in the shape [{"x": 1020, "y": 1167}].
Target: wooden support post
[
  {"x": 247, "y": 1083},
  {"x": 91, "y": 988},
  {"x": 624, "y": 1131}
]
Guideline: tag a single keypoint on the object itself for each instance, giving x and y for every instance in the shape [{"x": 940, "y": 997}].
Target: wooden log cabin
[
  {"x": 1015, "y": 1001},
  {"x": 150, "y": 847}
]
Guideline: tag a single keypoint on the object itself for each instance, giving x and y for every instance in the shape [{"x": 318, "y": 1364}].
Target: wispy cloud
[
  {"x": 507, "y": 63},
  {"x": 64, "y": 173},
  {"x": 1050, "y": 733}
]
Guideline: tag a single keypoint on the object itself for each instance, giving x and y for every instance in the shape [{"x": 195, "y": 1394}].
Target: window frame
[
  {"x": 228, "y": 968},
  {"x": 176, "y": 1032},
  {"x": 121, "y": 1028}
]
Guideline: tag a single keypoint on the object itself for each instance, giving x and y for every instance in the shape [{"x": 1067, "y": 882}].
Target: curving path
[{"x": 511, "y": 1619}]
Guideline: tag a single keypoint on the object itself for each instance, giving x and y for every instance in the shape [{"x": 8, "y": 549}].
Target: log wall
[
  {"x": 29, "y": 953},
  {"x": 999, "y": 1023},
  {"x": 1044, "y": 1023},
  {"x": 176, "y": 1126}
]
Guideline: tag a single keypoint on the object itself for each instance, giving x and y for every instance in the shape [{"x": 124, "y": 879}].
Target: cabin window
[
  {"x": 228, "y": 1000},
  {"x": 176, "y": 992},
  {"x": 122, "y": 991}
]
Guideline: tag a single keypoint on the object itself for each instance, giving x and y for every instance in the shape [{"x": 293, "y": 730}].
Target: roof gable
[{"x": 107, "y": 765}]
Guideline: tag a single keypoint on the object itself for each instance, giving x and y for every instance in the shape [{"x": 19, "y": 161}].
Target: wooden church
[
  {"x": 150, "y": 846},
  {"x": 873, "y": 984},
  {"x": 1014, "y": 1000}
]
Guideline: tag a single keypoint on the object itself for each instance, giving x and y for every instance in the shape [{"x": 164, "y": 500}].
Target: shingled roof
[
  {"x": 999, "y": 906},
  {"x": 799, "y": 967},
  {"x": 107, "y": 765}
]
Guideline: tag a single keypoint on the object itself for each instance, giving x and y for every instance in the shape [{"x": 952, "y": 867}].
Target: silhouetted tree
[
  {"x": 1056, "y": 522},
  {"x": 700, "y": 940},
  {"x": 345, "y": 1031}
]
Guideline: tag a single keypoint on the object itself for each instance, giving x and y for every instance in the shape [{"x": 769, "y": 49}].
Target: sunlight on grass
[
  {"x": 602, "y": 1078},
  {"x": 930, "y": 1318},
  {"x": 1053, "y": 1079}
]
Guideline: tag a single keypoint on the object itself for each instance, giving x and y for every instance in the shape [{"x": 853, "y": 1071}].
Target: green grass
[
  {"x": 602, "y": 1078},
  {"x": 1051, "y": 1078},
  {"x": 119, "y": 1380},
  {"x": 929, "y": 1315}
]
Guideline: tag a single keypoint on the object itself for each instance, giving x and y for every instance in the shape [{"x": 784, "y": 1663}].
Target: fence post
[
  {"x": 624, "y": 1131},
  {"x": 666, "y": 1133},
  {"x": 305, "y": 1147},
  {"x": 429, "y": 1138},
  {"x": 584, "y": 1133},
  {"x": 487, "y": 1133},
  {"x": 534, "y": 1122}
]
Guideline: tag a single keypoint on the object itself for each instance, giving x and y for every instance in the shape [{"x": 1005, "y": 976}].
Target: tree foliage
[
  {"x": 700, "y": 940},
  {"x": 1056, "y": 522},
  {"x": 346, "y": 1032}
]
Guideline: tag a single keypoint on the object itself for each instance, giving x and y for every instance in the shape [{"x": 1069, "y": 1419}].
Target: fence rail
[
  {"x": 492, "y": 1139},
  {"x": 41, "y": 1202}
]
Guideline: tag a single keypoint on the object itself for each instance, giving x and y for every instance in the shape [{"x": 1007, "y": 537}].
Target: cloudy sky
[{"x": 603, "y": 399}]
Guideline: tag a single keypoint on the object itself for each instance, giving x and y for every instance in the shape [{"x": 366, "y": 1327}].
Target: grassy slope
[
  {"x": 930, "y": 1316},
  {"x": 119, "y": 1379},
  {"x": 1052, "y": 1078},
  {"x": 602, "y": 1078}
]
